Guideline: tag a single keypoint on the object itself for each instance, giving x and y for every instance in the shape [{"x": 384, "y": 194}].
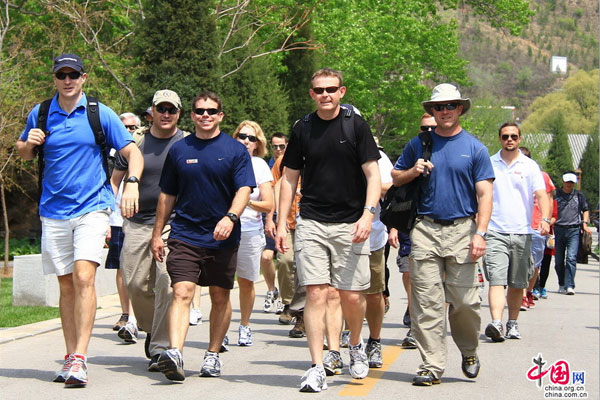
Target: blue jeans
[{"x": 567, "y": 241}]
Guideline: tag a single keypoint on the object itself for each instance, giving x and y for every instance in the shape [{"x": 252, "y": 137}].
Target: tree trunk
[{"x": 6, "y": 229}]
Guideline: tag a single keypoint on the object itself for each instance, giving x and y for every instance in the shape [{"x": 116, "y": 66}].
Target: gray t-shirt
[
  {"x": 570, "y": 207},
  {"x": 154, "y": 151}
]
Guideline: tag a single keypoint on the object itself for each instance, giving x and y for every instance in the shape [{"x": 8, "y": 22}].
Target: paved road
[{"x": 560, "y": 328}]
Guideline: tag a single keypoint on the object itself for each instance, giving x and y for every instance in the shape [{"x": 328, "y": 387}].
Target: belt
[
  {"x": 569, "y": 226},
  {"x": 446, "y": 222}
]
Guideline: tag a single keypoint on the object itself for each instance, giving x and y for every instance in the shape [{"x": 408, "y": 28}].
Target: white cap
[{"x": 569, "y": 177}]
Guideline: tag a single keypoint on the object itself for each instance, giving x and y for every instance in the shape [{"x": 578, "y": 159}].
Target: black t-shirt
[{"x": 334, "y": 186}]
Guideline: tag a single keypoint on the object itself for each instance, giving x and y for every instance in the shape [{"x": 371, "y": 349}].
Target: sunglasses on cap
[
  {"x": 513, "y": 137},
  {"x": 131, "y": 127},
  {"x": 61, "y": 76},
  {"x": 447, "y": 106},
  {"x": 210, "y": 111},
  {"x": 329, "y": 89},
  {"x": 278, "y": 146},
  {"x": 426, "y": 128},
  {"x": 163, "y": 109},
  {"x": 243, "y": 136}
]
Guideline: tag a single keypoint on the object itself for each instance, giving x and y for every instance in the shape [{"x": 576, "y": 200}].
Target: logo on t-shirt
[{"x": 192, "y": 161}]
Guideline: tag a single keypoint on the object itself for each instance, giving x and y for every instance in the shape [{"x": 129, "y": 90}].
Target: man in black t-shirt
[{"x": 341, "y": 186}]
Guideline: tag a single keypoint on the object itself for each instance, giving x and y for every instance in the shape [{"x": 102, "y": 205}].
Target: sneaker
[
  {"x": 373, "y": 351},
  {"x": 211, "y": 366},
  {"x": 298, "y": 331},
  {"x": 406, "y": 318},
  {"x": 544, "y": 293},
  {"x": 313, "y": 380},
  {"x": 562, "y": 290},
  {"x": 121, "y": 322},
  {"x": 153, "y": 363},
  {"x": 409, "y": 341},
  {"x": 77, "y": 375},
  {"x": 129, "y": 333},
  {"x": 524, "y": 304},
  {"x": 286, "y": 317},
  {"x": 359, "y": 365},
  {"x": 570, "y": 291},
  {"x": 536, "y": 294},
  {"x": 494, "y": 331},
  {"x": 345, "y": 339},
  {"x": 470, "y": 366},
  {"x": 530, "y": 300},
  {"x": 195, "y": 317},
  {"x": 278, "y": 306},
  {"x": 170, "y": 363},
  {"x": 270, "y": 301},
  {"x": 147, "y": 346},
  {"x": 512, "y": 330},
  {"x": 245, "y": 336},
  {"x": 332, "y": 363},
  {"x": 225, "y": 345},
  {"x": 61, "y": 375},
  {"x": 425, "y": 378}
]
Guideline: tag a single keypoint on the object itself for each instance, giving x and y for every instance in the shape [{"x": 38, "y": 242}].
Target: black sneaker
[
  {"x": 470, "y": 366},
  {"x": 409, "y": 341},
  {"x": 495, "y": 332},
  {"x": 147, "y": 346},
  {"x": 425, "y": 378},
  {"x": 153, "y": 363}
]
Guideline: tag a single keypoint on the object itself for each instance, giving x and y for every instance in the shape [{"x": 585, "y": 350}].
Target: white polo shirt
[
  {"x": 514, "y": 189},
  {"x": 378, "y": 237}
]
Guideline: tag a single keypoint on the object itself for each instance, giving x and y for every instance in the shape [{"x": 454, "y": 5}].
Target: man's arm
[
  {"x": 225, "y": 226},
  {"x": 164, "y": 208},
  {"x": 27, "y": 149},
  {"x": 362, "y": 227},
  {"x": 130, "y": 197},
  {"x": 403, "y": 176},
  {"x": 288, "y": 182},
  {"x": 586, "y": 221},
  {"x": 544, "y": 205},
  {"x": 484, "y": 192}
]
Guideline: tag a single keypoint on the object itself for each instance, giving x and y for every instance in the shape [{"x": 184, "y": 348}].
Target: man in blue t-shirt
[
  {"x": 448, "y": 237},
  {"x": 206, "y": 179},
  {"x": 76, "y": 200}
]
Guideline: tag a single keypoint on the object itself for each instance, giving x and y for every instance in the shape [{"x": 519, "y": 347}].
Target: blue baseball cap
[{"x": 68, "y": 60}]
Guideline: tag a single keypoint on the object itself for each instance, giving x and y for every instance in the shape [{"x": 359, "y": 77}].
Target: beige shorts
[
  {"x": 377, "y": 267},
  {"x": 325, "y": 254}
]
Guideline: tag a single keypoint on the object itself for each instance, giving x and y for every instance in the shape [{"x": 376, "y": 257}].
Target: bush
[{"x": 20, "y": 247}]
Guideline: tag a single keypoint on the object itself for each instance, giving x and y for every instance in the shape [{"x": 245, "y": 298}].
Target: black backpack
[
  {"x": 93, "y": 114},
  {"x": 348, "y": 133},
  {"x": 399, "y": 208}
]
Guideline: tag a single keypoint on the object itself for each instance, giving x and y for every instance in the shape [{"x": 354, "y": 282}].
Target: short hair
[
  {"x": 280, "y": 135},
  {"x": 206, "y": 95},
  {"x": 426, "y": 115},
  {"x": 506, "y": 124},
  {"x": 261, "y": 144},
  {"x": 570, "y": 171},
  {"x": 328, "y": 72},
  {"x": 525, "y": 151},
  {"x": 126, "y": 115}
]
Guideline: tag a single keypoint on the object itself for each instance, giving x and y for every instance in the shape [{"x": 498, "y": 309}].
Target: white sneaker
[
  {"x": 562, "y": 290},
  {"x": 170, "y": 363},
  {"x": 245, "y": 336},
  {"x": 77, "y": 375},
  {"x": 279, "y": 307},
  {"x": 313, "y": 380},
  {"x": 61, "y": 375},
  {"x": 195, "y": 317},
  {"x": 570, "y": 291},
  {"x": 211, "y": 366},
  {"x": 270, "y": 301},
  {"x": 359, "y": 363},
  {"x": 345, "y": 339},
  {"x": 129, "y": 333}
]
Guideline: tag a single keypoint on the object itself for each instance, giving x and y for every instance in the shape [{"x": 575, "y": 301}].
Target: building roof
[{"x": 577, "y": 144}]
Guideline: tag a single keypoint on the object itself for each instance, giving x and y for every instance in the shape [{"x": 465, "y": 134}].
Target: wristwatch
[
  {"x": 234, "y": 218},
  {"x": 546, "y": 220},
  {"x": 132, "y": 179},
  {"x": 482, "y": 234},
  {"x": 371, "y": 209}
]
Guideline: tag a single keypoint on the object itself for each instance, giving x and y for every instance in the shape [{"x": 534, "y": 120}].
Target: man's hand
[
  {"x": 422, "y": 166},
  {"x": 393, "y": 238},
  {"x": 587, "y": 228},
  {"x": 35, "y": 137},
  {"x": 157, "y": 246},
  {"x": 130, "y": 200},
  {"x": 362, "y": 228},
  {"x": 223, "y": 229},
  {"x": 544, "y": 228},
  {"x": 281, "y": 238},
  {"x": 477, "y": 247},
  {"x": 270, "y": 228}
]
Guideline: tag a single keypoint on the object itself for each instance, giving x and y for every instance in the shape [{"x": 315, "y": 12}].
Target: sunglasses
[
  {"x": 131, "y": 127},
  {"x": 426, "y": 128},
  {"x": 278, "y": 146},
  {"x": 210, "y": 111},
  {"x": 72, "y": 75},
  {"x": 513, "y": 137},
  {"x": 448, "y": 106},
  {"x": 243, "y": 136},
  {"x": 163, "y": 109},
  {"x": 330, "y": 89}
]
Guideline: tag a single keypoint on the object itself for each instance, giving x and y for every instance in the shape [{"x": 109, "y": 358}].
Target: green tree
[
  {"x": 589, "y": 171},
  {"x": 559, "y": 155}
]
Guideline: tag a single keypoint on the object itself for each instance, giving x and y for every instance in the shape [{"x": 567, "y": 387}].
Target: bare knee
[{"x": 219, "y": 296}]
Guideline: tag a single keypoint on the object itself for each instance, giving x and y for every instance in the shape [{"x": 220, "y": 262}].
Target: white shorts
[
  {"x": 252, "y": 244},
  {"x": 69, "y": 240}
]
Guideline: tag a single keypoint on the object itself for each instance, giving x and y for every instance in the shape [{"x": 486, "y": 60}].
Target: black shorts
[
  {"x": 201, "y": 265},
  {"x": 115, "y": 244}
]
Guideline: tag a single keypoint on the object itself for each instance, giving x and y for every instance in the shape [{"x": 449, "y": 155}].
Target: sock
[{"x": 371, "y": 340}]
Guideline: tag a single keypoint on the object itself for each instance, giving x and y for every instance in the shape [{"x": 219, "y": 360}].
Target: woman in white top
[{"x": 252, "y": 241}]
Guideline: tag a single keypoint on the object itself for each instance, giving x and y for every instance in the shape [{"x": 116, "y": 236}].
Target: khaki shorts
[
  {"x": 507, "y": 259},
  {"x": 377, "y": 267},
  {"x": 325, "y": 254}
]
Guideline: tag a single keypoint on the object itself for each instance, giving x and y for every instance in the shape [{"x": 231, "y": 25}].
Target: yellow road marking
[{"x": 362, "y": 387}]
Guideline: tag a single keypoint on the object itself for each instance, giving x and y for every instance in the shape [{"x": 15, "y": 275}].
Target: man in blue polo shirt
[{"x": 76, "y": 201}]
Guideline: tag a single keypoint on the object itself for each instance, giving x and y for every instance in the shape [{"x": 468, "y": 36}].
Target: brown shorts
[{"x": 203, "y": 266}]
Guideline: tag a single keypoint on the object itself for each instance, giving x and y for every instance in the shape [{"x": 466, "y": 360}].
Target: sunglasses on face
[
  {"x": 163, "y": 109},
  {"x": 243, "y": 136},
  {"x": 448, "y": 106},
  {"x": 278, "y": 146},
  {"x": 513, "y": 137},
  {"x": 131, "y": 127},
  {"x": 426, "y": 128},
  {"x": 72, "y": 75},
  {"x": 210, "y": 111},
  {"x": 329, "y": 89}
]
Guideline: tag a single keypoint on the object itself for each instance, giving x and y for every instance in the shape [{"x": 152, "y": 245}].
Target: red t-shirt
[{"x": 537, "y": 214}]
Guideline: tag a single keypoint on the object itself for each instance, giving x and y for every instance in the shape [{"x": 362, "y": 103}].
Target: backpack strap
[
  {"x": 42, "y": 121},
  {"x": 348, "y": 123},
  {"x": 426, "y": 144},
  {"x": 93, "y": 113}
]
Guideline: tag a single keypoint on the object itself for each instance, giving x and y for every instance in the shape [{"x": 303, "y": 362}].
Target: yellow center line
[{"x": 362, "y": 387}]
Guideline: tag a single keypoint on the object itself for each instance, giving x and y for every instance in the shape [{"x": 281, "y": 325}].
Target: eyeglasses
[
  {"x": 448, "y": 106},
  {"x": 72, "y": 75},
  {"x": 426, "y": 128},
  {"x": 131, "y": 127},
  {"x": 210, "y": 111},
  {"x": 329, "y": 89},
  {"x": 163, "y": 109},
  {"x": 243, "y": 136},
  {"x": 278, "y": 146},
  {"x": 513, "y": 137}
]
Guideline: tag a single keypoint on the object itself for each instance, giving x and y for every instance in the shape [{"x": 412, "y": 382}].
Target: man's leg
[
  {"x": 179, "y": 313},
  {"x": 572, "y": 238},
  {"x": 268, "y": 268},
  {"x": 67, "y": 311},
  {"x": 497, "y": 301},
  {"x": 375, "y": 309},
  {"x": 122, "y": 290},
  {"x": 314, "y": 320},
  {"x": 220, "y": 316},
  {"x": 84, "y": 308},
  {"x": 559, "y": 259},
  {"x": 514, "y": 297},
  {"x": 247, "y": 296},
  {"x": 333, "y": 319},
  {"x": 353, "y": 308}
]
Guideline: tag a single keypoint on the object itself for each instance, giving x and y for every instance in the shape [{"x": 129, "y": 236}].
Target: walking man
[
  {"x": 448, "y": 237},
  {"x": 341, "y": 186},
  {"x": 76, "y": 200}
]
